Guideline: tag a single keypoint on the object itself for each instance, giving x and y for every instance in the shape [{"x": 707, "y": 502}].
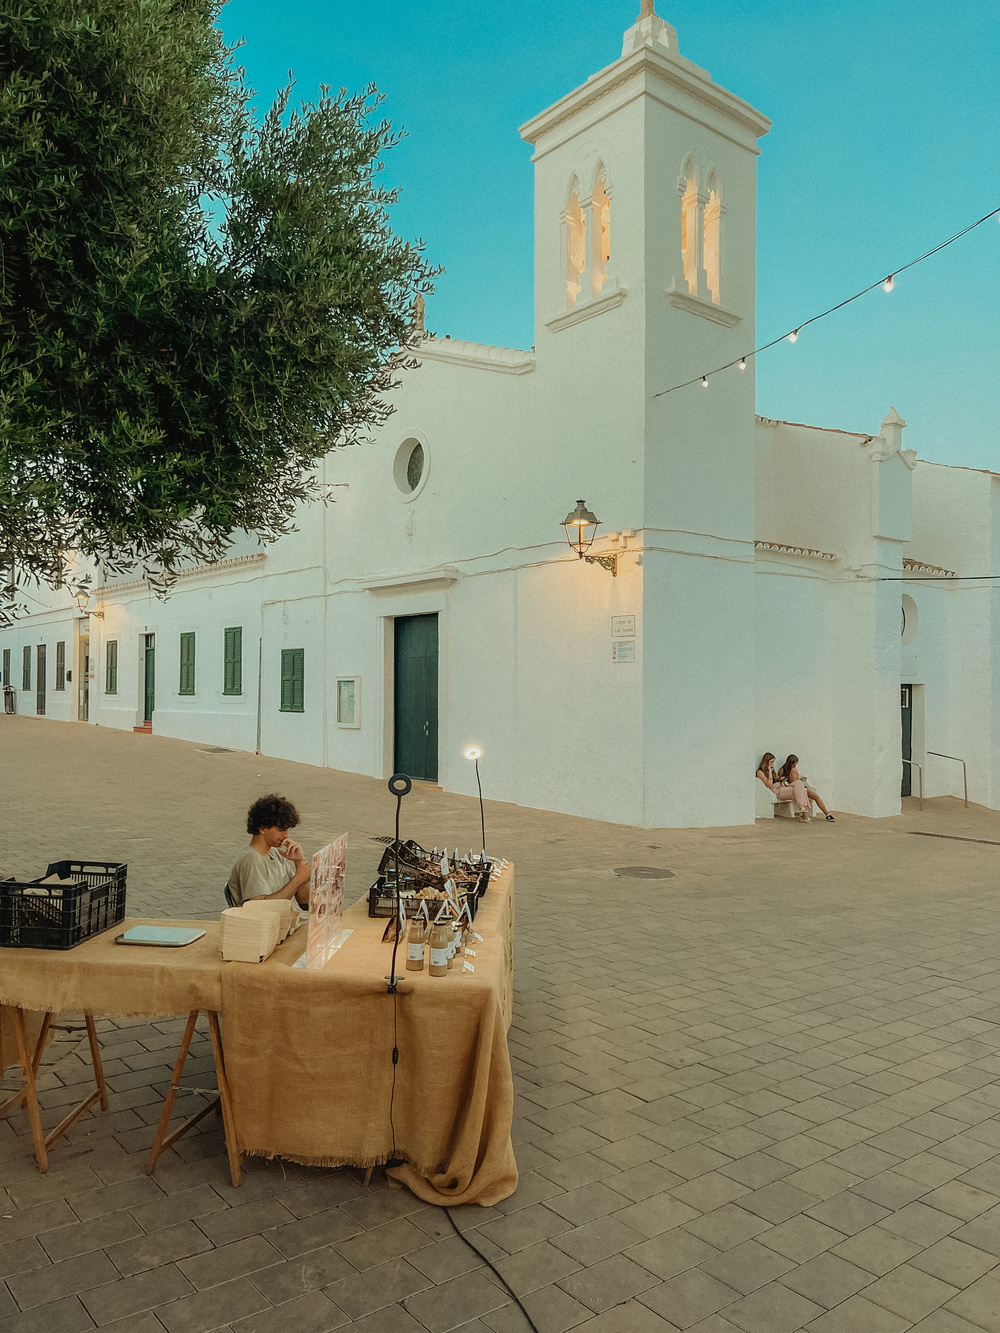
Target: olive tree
[{"x": 196, "y": 302}]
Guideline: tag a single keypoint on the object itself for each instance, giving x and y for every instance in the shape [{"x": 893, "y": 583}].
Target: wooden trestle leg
[
  {"x": 163, "y": 1140},
  {"x": 228, "y": 1119},
  {"x": 223, "y": 1102},
  {"x": 28, "y": 1096}
]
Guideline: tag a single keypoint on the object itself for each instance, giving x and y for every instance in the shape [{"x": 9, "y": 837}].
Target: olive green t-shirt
[{"x": 254, "y": 875}]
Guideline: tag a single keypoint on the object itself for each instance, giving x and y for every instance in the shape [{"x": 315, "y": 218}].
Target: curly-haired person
[{"x": 273, "y": 867}]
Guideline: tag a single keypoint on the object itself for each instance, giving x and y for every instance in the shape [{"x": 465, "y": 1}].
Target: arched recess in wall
[
  {"x": 910, "y": 620},
  {"x": 688, "y": 189},
  {"x": 712, "y": 246},
  {"x": 600, "y": 211},
  {"x": 574, "y": 243}
]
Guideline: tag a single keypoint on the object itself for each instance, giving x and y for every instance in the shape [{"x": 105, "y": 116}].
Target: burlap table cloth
[
  {"x": 103, "y": 977},
  {"x": 309, "y": 1059}
]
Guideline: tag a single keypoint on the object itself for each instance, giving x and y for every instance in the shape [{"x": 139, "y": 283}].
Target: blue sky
[{"x": 884, "y": 142}]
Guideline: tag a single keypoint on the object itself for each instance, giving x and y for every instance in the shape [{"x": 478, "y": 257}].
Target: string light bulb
[
  {"x": 704, "y": 381},
  {"x": 889, "y": 283},
  {"x": 743, "y": 363},
  {"x": 793, "y": 337}
]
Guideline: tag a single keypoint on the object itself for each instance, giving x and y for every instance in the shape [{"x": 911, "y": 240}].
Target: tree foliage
[{"x": 195, "y": 303}]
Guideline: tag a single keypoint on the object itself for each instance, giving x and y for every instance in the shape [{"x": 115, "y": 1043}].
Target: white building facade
[{"x": 757, "y": 574}]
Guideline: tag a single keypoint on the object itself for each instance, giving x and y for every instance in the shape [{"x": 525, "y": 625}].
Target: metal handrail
[
  {"x": 965, "y": 775},
  {"x": 919, "y": 767}
]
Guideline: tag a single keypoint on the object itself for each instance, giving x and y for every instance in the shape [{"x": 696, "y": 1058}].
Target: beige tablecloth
[
  {"x": 309, "y": 1059},
  {"x": 117, "y": 979}
]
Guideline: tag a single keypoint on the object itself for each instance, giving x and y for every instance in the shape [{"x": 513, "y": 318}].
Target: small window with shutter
[
  {"x": 111, "y": 667},
  {"x": 6, "y": 666},
  {"x": 232, "y": 676},
  {"x": 60, "y": 666},
  {"x": 187, "y": 665},
  {"x": 292, "y": 680},
  {"x": 25, "y": 668}
]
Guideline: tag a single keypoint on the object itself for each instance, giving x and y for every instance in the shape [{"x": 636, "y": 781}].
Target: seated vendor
[{"x": 273, "y": 867}]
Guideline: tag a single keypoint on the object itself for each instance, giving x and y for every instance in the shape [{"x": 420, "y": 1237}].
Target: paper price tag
[
  {"x": 478, "y": 936},
  {"x": 470, "y": 953},
  {"x": 468, "y": 967}
]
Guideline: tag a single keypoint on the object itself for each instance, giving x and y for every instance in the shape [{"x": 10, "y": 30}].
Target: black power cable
[
  {"x": 400, "y": 786},
  {"x": 493, "y": 1269}
]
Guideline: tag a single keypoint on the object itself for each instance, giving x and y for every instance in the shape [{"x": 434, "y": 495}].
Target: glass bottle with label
[
  {"x": 440, "y": 942},
  {"x": 416, "y": 942}
]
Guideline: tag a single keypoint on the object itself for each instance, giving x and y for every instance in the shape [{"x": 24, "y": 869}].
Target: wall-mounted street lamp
[
  {"x": 581, "y": 529},
  {"x": 82, "y": 600}
]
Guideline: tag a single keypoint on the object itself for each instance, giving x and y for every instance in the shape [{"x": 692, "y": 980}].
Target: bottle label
[
  {"x": 415, "y": 953},
  {"x": 439, "y": 957}
]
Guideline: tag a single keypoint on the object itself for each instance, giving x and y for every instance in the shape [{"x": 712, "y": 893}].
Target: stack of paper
[{"x": 248, "y": 937}]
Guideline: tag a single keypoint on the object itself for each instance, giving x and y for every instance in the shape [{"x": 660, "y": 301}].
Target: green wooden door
[
  {"x": 40, "y": 681},
  {"x": 906, "y": 706},
  {"x": 416, "y": 712},
  {"x": 149, "y": 678}
]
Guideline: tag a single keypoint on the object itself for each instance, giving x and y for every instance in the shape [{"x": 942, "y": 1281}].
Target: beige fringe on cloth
[{"x": 309, "y": 1059}]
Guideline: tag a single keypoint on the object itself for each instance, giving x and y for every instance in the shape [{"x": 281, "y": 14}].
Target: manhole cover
[{"x": 643, "y": 872}]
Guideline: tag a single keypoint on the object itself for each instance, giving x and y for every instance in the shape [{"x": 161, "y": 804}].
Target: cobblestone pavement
[{"x": 760, "y": 1095}]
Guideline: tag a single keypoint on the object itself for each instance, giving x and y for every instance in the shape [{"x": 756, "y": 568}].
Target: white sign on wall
[
  {"x": 623, "y": 627},
  {"x": 623, "y": 650}
]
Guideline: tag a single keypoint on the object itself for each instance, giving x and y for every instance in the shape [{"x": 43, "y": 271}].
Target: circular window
[
  {"x": 910, "y": 619},
  {"x": 410, "y": 468}
]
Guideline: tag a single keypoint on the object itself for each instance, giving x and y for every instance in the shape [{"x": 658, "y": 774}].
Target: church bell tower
[{"x": 645, "y": 249}]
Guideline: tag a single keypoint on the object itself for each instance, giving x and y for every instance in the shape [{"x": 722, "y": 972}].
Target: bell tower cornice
[{"x": 651, "y": 58}]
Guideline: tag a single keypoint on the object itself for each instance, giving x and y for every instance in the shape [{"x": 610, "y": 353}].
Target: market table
[
  {"x": 307, "y": 1071},
  {"x": 310, "y": 1068}
]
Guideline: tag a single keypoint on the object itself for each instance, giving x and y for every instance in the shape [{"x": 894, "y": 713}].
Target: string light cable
[{"x": 887, "y": 283}]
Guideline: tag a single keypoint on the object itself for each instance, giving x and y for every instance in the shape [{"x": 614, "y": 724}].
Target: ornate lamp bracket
[{"x": 606, "y": 561}]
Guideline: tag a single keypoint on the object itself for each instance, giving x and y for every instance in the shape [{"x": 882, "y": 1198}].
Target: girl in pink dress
[{"x": 789, "y": 774}]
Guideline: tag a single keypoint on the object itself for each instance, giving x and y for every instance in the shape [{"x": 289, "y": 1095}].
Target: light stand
[
  {"x": 475, "y": 753},
  {"x": 400, "y": 786}
]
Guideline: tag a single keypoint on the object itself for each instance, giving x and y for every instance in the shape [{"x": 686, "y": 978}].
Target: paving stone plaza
[{"x": 760, "y": 1095}]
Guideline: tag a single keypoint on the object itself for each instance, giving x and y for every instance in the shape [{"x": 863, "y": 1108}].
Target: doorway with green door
[
  {"x": 415, "y": 713},
  {"x": 149, "y": 677}
]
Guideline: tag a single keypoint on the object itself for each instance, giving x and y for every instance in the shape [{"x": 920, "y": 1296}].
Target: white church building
[{"x": 762, "y": 585}]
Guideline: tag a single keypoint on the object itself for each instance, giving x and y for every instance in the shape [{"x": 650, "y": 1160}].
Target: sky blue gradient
[{"x": 885, "y": 141}]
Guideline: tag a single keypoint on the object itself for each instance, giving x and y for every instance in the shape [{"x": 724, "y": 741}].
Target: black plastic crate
[{"x": 34, "y": 915}]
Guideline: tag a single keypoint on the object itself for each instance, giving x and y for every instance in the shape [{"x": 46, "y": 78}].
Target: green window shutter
[
  {"x": 233, "y": 672},
  {"x": 60, "y": 666},
  {"x": 292, "y": 680},
  {"x": 26, "y": 669},
  {"x": 187, "y": 664},
  {"x": 111, "y": 667},
  {"x": 6, "y": 666}
]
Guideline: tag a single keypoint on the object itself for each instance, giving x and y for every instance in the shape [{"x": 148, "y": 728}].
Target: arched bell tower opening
[{"x": 574, "y": 245}]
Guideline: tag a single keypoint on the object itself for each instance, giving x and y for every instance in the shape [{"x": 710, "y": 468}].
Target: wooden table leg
[
  {"x": 30, "y": 1095},
  {"x": 162, "y": 1141},
  {"x": 95, "y": 1060},
  {"x": 228, "y": 1119},
  {"x": 18, "y": 1098}
]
